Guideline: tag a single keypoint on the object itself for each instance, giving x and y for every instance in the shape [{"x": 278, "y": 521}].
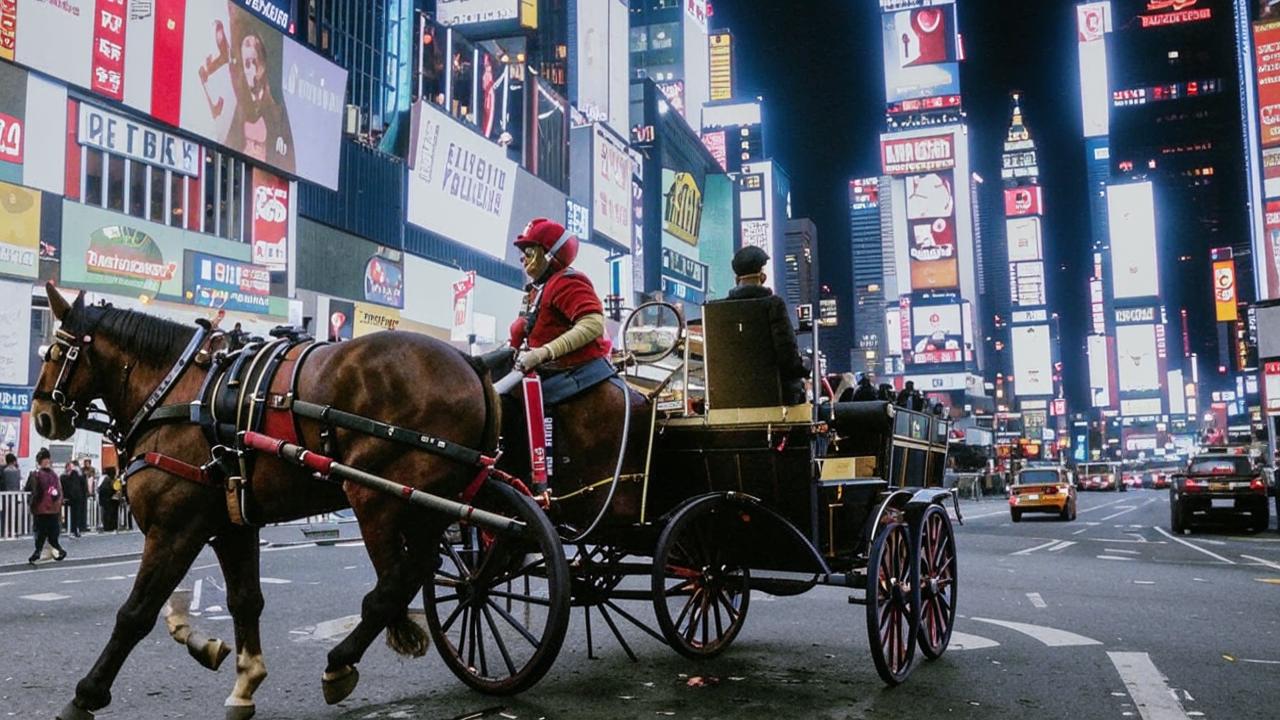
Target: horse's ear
[
  {"x": 79, "y": 303},
  {"x": 57, "y": 303}
]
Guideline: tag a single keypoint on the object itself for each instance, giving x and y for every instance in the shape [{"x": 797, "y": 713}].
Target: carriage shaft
[{"x": 329, "y": 467}]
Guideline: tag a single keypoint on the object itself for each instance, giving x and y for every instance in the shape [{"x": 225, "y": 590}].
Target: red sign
[
  {"x": 1271, "y": 385},
  {"x": 270, "y": 221},
  {"x": 937, "y": 102},
  {"x": 10, "y": 138},
  {"x": 1173, "y": 12},
  {"x": 1266, "y": 37},
  {"x": 1271, "y": 245},
  {"x": 714, "y": 141},
  {"x": 903, "y": 156},
  {"x": 8, "y": 28},
  {"x": 1023, "y": 201},
  {"x": 108, "y": 49},
  {"x": 1059, "y": 407}
]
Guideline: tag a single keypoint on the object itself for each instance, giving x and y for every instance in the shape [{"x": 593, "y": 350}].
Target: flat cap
[{"x": 749, "y": 260}]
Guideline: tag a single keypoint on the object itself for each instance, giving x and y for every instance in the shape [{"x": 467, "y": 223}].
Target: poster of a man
[{"x": 238, "y": 63}]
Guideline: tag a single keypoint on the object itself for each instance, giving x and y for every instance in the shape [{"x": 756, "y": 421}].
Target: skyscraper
[{"x": 870, "y": 339}]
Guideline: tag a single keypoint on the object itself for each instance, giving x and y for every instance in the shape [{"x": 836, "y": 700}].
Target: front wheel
[
  {"x": 936, "y": 545},
  {"x": 893, "y": 603},
  {"x": 1015, "y": 515},
  {"x": 700, "y": 593},
  {"x": 498, "y": 606}
]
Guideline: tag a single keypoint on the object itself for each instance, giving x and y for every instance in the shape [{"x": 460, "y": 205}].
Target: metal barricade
[{"x": 16, "y": 520}]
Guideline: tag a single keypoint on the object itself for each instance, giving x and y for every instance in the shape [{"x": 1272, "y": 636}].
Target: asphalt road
[{"x": 1104, "y": 617}]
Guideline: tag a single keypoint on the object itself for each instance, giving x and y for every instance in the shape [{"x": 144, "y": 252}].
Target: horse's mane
[{"x": 150, "y": 340}]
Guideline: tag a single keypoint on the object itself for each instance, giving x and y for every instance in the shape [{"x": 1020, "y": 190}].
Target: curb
[{"x": 69, "y": 562}]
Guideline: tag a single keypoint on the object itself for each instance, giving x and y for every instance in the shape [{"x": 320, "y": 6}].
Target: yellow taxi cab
[{"x": 1046, "y": 489}]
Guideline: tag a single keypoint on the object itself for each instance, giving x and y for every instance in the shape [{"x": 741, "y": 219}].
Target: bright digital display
[
  {"x": 920, "y": 53},
  {"x": 937, "y": 334},
  {"x": 1093, "y": 22},
  {"x": 1024, "y": 239},
  {"x": 1026, "y": 284},
  {"x": 1132, "y": 221},
  {"x": 1032, "y": 361},
  {"x": 1099, "y": 371},
  {"x": 1023, "y": 201},
  {"x": 1136, "y": 358}
]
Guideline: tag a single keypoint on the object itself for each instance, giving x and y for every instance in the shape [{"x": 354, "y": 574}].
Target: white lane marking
[
  {"x": 965, "y": 641},
  {"x": 1127, "y": 540},
  {"x": 1037, "y": 601},
  {"x": 1080, "y": 531},
  {"x": 1030, "y": 550},
  {"x": 1099, "y": 507},
  {"x": 196, "y": 593},
  {"x": 1260, "y": 561},
  {"x": 1144, "y": 582},
  {"x": 1062, "y": 545},
  {"x": 1197, "y": 548},
  {"x": 44, "y": 597},
  {"x": 1123, "y": 509},
  {"x": 1255, "y": 662},
  {"x": 1051, "y": 637},
  {"x": 1146, "y": 685},
  {"x": 283, "y": 548},
  {"x": 966, "y": 517},
  {"x": 274, "y": 581},
  {"x": 331, "y": 629},
  {"x": 1121, "y": 552},
  {"x": 5, "y": 583},
  {"x": 1114, "y": 557}
]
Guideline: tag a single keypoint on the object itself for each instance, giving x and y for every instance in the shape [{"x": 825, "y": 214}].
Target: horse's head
[{"x": 67, "y": 378}]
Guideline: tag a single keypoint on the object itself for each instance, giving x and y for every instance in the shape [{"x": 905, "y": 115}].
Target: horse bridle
[{"x": 70, "y": 348}]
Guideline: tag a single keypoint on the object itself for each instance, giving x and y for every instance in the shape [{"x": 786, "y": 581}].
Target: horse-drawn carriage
[{"x": 718, "y": 490}]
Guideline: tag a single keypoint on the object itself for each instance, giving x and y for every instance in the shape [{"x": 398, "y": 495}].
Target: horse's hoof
[
  {"x": 337, "y": 685},
  {"x": 240, "y": 712},
  {"x": 209, "y": 652},
  {"x": 74, "y": 712}
]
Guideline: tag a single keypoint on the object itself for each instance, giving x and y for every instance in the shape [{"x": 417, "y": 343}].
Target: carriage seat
[{"x": 742, "y": 371}]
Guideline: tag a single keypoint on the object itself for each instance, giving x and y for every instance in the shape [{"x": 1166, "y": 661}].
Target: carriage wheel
[
  {"x": 893, "y": 603},
  {"x": 498, "y": 606},
  {"x": 700, "y": 597},
  {"x": 938, "y": 581}
]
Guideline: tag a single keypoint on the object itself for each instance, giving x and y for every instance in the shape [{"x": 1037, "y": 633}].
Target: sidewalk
[{"x": 96, "y": 547}]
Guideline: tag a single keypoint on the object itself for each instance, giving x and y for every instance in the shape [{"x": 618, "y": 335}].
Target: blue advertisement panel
[
  {"x": 217, "y": 282},
  {"x": 14, "y": 399}
]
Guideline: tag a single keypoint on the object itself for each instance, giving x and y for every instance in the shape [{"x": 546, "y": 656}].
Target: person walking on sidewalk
[
  {"x": 10, "y": 481},
  {"x": 46, "y": 504},
  {"x": 75, "y": 491}
]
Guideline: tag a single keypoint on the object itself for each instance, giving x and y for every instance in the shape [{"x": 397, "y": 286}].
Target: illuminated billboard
[
  {"x": 920, "y": 53},
  {"x": 1024, "y": 239},
  {"x": 755, "y": 199},
  {"x": 934, "y": 264},
  {"x": 1225, "y": 296},
  {"x": 1032, "y": 361},
  {"x": 1026, "y": 284},
  {"x": 1137, "y": 361},
  {"x": 613, "y": 169},
  {"x": 904, "y": 156},
  {"x": 1132, "y": 222},
  {"x": 1099, "y": 371},
  {"x": 1266, "y": 40},
  {"x": 720, "y": 49},
  {"x": 1270, "y": 281},
  {"x": 1177, "y": 393},
  {"x": 743, "y": 114},
  {"x": 1163, "y": 13},
  {"x": 893, "y": 330},
  {"x": 1023, "y": 201},
  {"x": 937, "y": 334},
  {"x": 598, "y": 88},
  {"x": 1093, "y": 22}
]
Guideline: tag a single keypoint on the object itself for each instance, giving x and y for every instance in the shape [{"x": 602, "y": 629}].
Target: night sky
[{"x": 819, "y": 67}]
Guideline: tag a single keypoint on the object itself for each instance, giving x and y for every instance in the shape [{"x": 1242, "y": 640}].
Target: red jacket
[
  {"x": 39, "y": 484},
  {"x": 567, "y": 296}
]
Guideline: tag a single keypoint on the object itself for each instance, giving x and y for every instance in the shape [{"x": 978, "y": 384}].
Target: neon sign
[{"x": 1173, "y": 12}]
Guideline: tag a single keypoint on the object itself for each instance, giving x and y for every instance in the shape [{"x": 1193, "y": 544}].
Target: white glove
[{"x": 531, "y": 359}]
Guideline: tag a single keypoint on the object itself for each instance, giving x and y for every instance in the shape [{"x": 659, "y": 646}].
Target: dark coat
[
  {"x": 791, "y": 370},
  {"x": 74, "y": 487}
]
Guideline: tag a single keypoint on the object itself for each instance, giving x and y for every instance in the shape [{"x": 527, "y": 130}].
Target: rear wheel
[
  {"x": 1015, "y": 515},
  {"x": 935, "y": 542},
  {"x": 700, "y": 595},
  {"x": 1260, "y": 519},
  {"x": 498, "y": 606},
  {"x": 1074, "y": 509},
  {"x": 893, "y": 603},
  {"x": 1177, "y": 521},
  {"x": 1065, "y": 513}
]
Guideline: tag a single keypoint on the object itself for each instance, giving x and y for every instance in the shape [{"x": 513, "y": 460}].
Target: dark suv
[{"x": 1218, "y": 484}]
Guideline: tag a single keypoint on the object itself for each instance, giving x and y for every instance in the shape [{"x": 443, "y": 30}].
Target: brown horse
[{"x": 410, "y": 380}]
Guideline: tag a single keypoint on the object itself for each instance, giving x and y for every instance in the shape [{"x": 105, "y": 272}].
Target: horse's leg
[
  {"x": 166, "y": 557},
  {"x": 402, "y": 565},
  {"x": 237, "y": 552},
  {"x": 209, "y": 652}
]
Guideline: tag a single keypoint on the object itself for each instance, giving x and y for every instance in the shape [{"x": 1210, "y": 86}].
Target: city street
[{"x": 1108, "y": 616}]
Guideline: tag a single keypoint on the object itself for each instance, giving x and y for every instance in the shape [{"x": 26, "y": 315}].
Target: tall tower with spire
[{"x": 1029, "y": 379}]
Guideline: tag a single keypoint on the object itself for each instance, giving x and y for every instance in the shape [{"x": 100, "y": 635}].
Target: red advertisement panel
[
  {"x": 8, "y": 28},
  {"x": 1019, "y": 202},
  {"x": 270, "y": 221},
  {"x": 10, "y": 138},
  {"x": 1266, "y": 37},
  {"x": 107, "y": 77},
  {"x": 166, "y": 74},
  {"x": 903, "y": 156},
  {"x": 1271, "y": 242}
]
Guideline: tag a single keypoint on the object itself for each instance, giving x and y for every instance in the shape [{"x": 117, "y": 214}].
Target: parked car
[
  {"x": 1042, "y": 490},
  {"x": 1219, "y": 483},
  {"x": 1099, "y": 476}
]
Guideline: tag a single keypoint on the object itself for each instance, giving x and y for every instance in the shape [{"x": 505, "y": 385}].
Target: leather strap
[
  {"x": 157, "y": 396},
  {"x": 175, "y": 467}
]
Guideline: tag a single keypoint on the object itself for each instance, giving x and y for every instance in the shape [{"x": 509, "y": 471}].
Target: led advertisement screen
[
  {"x": 1132, "y": 221},
  {"x": 1026, "y": 284},
  {"x": 1024, "y": 239},
  {"x": 1023, "y": 201},
  {"x": 611, "y": 186},
  {"x": 1136, "y": 358},
  {"x": 460, "y": 185},
  {"x": 933, "y": 249},
  {"x": 1032, "y": 361},
  {"x": 920, "y": 53},
  {"x": 472, "y": 12},
  {"x": 1177, "y": 393},
  {"x": 893, "y": 330},
  {"x": 599, "y": 90},
  {"x": 1225, "y": 297},
  {"x": 1271, "y": 246},
  {"x": 902, "y": 156},
  {"x": 1266, "y": 39},
  {"x": 1093, "y": 22},
  {"x": 937, "y": 334},
  {"x": 1099, "y": 371}
]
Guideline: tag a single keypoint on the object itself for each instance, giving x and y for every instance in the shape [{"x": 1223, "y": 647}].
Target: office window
[
  {"x": 137, "y": 189},
  {"x": 177, "y": 199},
  {"x": 115, "y": 183}
]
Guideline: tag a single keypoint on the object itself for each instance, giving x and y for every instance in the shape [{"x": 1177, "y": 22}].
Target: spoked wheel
[
  {"x": 893, "y": 603},
  {"x": 700, "y": 596},
  {"x": 937, "y": 548},
  {"x": 498, "y": 607}
]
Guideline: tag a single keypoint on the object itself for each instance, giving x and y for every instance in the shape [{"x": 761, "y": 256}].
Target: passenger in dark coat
[
  {"x": 905, "y": 395},
  {"x": 75, "y": 492},
  {"x": 108, "y": 506},
  {"x": 748, "y": 265},
  {"x": 865, "y": 390}
]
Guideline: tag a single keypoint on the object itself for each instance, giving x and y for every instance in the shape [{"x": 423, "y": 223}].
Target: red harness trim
[{"x": 178, "y": 468}]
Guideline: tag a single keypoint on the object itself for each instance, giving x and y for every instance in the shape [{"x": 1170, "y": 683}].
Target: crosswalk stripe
[
  {"x": 1030, "y": 550},
  {"x": 1146, "y": 685},
  {"x": 1050, "y": 637},
  {"x": 1062, "y": 545}
]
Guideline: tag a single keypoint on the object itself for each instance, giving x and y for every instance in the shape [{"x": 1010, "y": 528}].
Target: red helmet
[{"x": 560, "y": 244}]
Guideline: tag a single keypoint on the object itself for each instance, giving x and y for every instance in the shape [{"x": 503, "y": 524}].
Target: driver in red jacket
[{"x": 562, "y": 326}]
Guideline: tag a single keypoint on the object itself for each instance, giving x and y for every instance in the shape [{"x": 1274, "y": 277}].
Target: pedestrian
[
  {"x": 46, "y": 505},
  {"x": 865, "y": 390},
  {"x": 905, "y": 395},
  {"x": 885, "y": 394},
  {"x": 108, "y": 508},
  {"x": 75, "y": 492},
  {"x": 90, "y": 474},
  {"x": 10, "y": 481}
]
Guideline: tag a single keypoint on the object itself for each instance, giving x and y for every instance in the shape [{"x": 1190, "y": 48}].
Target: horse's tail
[{"x": 492, "y": 406}]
